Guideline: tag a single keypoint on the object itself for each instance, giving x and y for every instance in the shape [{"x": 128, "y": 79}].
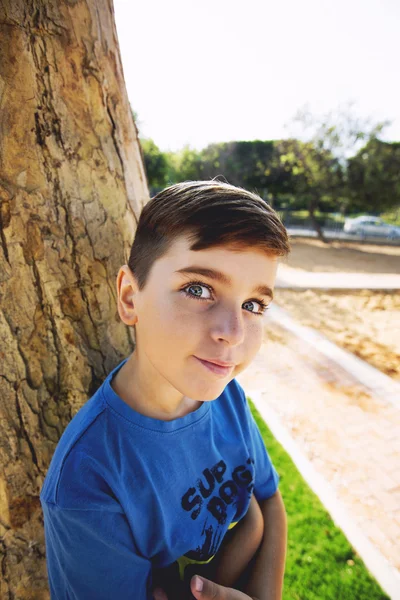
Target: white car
[{"x": 371, "y": 226}]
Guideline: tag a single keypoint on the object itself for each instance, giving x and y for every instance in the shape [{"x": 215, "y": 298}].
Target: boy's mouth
[{"x": 218, "y": 369}]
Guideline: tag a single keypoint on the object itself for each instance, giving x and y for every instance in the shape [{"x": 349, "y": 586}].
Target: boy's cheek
[{"x": 184, "y": 306}]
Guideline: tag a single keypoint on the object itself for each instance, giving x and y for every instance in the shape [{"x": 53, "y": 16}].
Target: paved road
[{"x": 340, "y": 235}]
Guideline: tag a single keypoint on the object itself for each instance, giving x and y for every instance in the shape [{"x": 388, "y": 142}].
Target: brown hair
[{"x": 213, "y": 213}]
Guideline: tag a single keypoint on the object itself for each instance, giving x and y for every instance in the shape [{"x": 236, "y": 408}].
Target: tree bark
[{"x": 72, "y": 186}]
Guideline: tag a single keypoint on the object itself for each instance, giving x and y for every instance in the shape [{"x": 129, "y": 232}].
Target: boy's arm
[
  {"x": 265, "y": 581},
  {"x": 238, "y": 548}
]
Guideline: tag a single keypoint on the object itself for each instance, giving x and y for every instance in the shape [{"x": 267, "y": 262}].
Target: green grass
[{"x": 320, "y": 564}]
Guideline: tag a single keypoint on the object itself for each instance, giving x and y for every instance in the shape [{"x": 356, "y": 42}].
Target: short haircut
[{"x": 212, "y": 213}]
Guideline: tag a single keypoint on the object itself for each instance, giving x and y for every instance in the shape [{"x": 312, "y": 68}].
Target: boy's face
[{"x": 182, "y": 317}]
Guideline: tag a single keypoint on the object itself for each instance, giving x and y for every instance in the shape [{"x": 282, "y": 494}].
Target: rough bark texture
[{"x": 72, "y": 186}]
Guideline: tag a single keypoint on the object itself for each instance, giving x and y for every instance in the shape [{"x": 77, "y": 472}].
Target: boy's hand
[{"x": 210, "y": 591}]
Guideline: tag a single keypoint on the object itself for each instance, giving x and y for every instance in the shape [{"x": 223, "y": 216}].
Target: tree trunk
[
  {"x": 72, "y": 186},
  {"x": 312, "y": 205}
]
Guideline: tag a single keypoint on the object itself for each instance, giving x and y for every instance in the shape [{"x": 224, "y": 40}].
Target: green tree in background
[
  {"x": 328, "y": 143},
  {"x": 314, "y": 174},
  {"x": 242, "y": 163},
  {"x": 335, "y": 164},
  {"x": 156, "y": 164},
  {"x": 374, "y": 177},
  {"x": 187, "y": 164}
]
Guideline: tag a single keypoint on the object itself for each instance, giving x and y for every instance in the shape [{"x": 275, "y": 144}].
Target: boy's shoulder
[{"x": 81, "y": 442}]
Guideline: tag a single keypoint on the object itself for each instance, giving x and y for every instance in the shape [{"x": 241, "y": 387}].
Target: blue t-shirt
[{"x": 126, "y": 495}]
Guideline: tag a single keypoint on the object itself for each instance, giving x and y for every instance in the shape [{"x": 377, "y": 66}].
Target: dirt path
[
  {"x": 364, "y": 322},
  {"x": 349, "y": 436},
  {"x": 313, "y": 255}
]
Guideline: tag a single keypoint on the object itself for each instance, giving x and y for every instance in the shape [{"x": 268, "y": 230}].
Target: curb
[{"x": 382, "y": 386}]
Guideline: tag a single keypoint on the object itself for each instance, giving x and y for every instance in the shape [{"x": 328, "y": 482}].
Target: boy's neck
[{"x": 145, "y": 396}]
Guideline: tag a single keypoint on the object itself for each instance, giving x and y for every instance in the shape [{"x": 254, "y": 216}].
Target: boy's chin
[{"x": 212, "y": 393}]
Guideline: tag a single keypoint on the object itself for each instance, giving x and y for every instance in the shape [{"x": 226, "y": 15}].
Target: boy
[{"x": 163, "y": 474}]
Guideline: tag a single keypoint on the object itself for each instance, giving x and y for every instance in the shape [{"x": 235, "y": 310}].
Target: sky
[{"x": 222, "y": 70}]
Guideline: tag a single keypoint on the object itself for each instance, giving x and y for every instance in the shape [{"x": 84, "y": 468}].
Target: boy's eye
[
  {"x": 195, "y": 290},
  {"x": 261, "y": 306}
]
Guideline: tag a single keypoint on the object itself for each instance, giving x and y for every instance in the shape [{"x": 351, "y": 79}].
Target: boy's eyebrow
[{"x": 221, "y": 277}]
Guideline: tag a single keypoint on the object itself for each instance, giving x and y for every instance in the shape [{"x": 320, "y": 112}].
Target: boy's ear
[{"x": 126, "y": 289}]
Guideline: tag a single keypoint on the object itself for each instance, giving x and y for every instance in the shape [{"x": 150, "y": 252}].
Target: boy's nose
[{"x": 229, "y": 326}]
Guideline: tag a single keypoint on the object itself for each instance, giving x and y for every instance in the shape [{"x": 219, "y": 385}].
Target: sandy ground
[
  {"x": 364, "y": 322},
  {"x": 349, "y": 436},
  {"x": 313, "y": 255}
]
